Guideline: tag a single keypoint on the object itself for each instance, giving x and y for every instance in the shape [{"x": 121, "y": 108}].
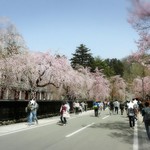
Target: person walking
[
  {"x": 126, "y": 107},
  {"x": 96, "y": 108},
  {"x": 76, "y": 107},
  {"x": 101, "y": 106},
  {"x": 83, "y": 106},
  {"x": 131, "y": 114},
  {"x": 68, "y": 106},
  {"x": 146, "y": 118},
  {"x": 63, "y": 113},
  {"x": 34, "y": 112},
  {"x": 122, "y": 107},
  {"x": 116, "y": 106},
  {"x": 111, "y": 107},
  {"x": 136, "y": 108},
  {"x": 31, "y": 110}
]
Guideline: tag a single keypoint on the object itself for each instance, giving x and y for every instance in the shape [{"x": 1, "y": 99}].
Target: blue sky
[{"x": 62, "y": 25}]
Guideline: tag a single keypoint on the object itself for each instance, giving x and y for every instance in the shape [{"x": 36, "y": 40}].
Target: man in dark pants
[
  {"x": 146, "y": 118},
  {"x": 122, "y": 107},
  {"x": 96, "y": 108},
  {"x": 131, "y": 115}
]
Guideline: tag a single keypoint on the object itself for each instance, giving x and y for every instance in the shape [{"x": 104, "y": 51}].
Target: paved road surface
[{"x": 83, "y": 132}]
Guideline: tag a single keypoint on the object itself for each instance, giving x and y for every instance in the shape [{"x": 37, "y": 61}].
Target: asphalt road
[{"x": 83, "y": 132}]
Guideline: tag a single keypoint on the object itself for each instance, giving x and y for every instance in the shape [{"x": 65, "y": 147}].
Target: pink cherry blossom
[{"x": 42, "y": 70}]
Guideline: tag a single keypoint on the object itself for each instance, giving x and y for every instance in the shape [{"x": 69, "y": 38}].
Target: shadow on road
[{"x": 117, "y": 129}]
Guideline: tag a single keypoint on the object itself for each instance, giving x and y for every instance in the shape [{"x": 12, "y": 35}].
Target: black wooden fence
[{"x": 11, "y": 110}]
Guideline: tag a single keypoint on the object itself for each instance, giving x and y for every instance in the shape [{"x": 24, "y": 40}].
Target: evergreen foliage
[
  {"x": 82, "y": 57},
  {"x": 116, "y": 66}
]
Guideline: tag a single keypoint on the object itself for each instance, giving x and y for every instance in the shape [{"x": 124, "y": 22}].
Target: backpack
[
  {"x": 28, "y": 109},
  {"x": 131, "y": 112},
  {"x": 36, "y": 106},
  {"x": 147, "y": 114},
  {"x": 96, "y": 106}
]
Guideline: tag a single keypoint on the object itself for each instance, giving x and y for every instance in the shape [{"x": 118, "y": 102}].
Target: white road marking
[
  {"x": 79, "y": 130},
  {"x": 135, "y": 140},
  {"x": 105, "y": 117}
]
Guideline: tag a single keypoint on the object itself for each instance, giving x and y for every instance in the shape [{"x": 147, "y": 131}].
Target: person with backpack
[
  {"x": 31, "y": 110},
  {"x": 116, "y": 106},
  {"x": 146, "y": 118},
  {"x": 96, "y": 108},
  {"x": 131, "y": 113},
  {"x": 34, "y": 112}
]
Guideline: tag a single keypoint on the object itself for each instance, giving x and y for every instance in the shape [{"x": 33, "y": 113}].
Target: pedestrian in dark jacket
[
  {"x": 131, "y": 115},
  {"x": 122, "y": 107},
  {"x": 146, "y": 118}
]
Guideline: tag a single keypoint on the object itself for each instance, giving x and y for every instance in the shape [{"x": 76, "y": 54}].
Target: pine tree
[{"x": 82, "y": 57}]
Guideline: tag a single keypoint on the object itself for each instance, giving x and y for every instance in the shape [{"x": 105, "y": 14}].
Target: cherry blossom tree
[
  {"x": 21, "y": 69},
  {"x": 100, "y": 87},
  {"x": 94, "y": 85},
  {"x": 141, "y": 87},
  {"x": 85, "y": 76},
  {"x": 118, "y": 88},
  {"x": 11, "y": 41},
  {"x": 37, "y": 69},
  {"x": 146, "y": 82},
  {"x": 32, "y": 70},
  {"x": 139, "y": 18}
]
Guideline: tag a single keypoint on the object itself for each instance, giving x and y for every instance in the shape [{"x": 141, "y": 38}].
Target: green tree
[
  {"x": 82, "y": 57},
  {"x": 116, "y": 65},
  {"x": 103, "y": 66}
]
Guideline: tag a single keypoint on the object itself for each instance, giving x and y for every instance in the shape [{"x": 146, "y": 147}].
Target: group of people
[
  {"x": 32, "y": 107},
  {"x": 79, "y": 107},
  {"x": 114, "y": 107},
  {"x": 65, "y": 110},
  {"x": 132, "y": 109}
]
